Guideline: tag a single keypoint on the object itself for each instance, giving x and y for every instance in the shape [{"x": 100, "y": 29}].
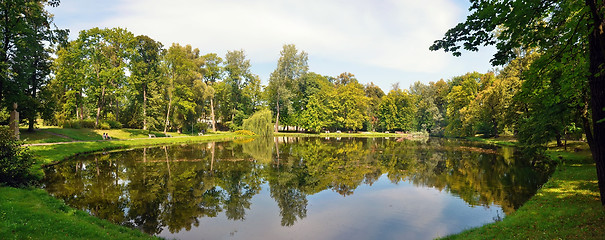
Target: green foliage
[
  {"x": 86, "y": 123},
  {"x": 104, "y": 126},
  {"x": 260, "y": 123},
  {"x": 114, "y": 124},
  {"x": 15, "y": 161},
  {"x": 396, "y": 111},
  {"x": 349, "y": 104},
  {"x": 244, "y": 132},
  {"x": 285, "y": 81}
]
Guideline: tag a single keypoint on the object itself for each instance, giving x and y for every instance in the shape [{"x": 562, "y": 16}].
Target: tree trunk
[
  {"x": 144, "y": 108},
  {"x": 168, "y": 114},
  {"x": 596, "y": 82},
  {"x": 277, "y": 118},
  {"x": 212, "y": 114},
  {"x": 100, "y": 103}
]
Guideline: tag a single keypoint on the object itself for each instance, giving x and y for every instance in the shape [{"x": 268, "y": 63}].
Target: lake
[{"x": 301, "y": 188}]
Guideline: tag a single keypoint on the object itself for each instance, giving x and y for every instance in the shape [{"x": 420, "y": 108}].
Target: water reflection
[{"x": 174, "y": 188}]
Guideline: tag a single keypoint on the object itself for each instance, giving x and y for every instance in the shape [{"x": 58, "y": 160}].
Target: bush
[
  {"x": 86, "y": 123},
  {"x": 15, "y": 161},
  {"x": 244, "y": 132},
  {"x": 104, "y": 126},
  {"x": 114, "y": 124},
  {"x": 260, "y": 123}
]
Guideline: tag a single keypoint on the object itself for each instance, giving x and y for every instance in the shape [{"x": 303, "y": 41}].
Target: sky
[{"x": 381, "y": 41}]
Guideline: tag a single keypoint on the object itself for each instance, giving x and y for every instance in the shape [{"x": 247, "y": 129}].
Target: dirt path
[{"x": 59, "y": 135}]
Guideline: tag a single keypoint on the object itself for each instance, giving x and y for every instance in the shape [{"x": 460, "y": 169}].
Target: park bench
[{"x": 151, "y": 135}]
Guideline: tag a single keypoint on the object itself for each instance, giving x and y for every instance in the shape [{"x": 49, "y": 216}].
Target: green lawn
[
  {"x": 33, "y": 214},
  {"x": 566, "y": 207}
]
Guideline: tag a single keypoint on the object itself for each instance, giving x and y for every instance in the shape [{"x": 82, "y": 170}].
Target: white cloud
[
  {"x": 384, "y": 41},
  {"x": 392, "y": 34}
]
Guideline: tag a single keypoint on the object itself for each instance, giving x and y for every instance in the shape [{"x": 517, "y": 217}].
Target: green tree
[
  {"x": 396, "y": 111},
  {"x": 460, "y": 113},
  {"x": 375, "y": 95},
  {"x": 25, "y": 34},
  {"x": 237, "y": 90},
  {"x": 213, "y": 72},
  {"x": 67, "y": 86},
  {"x": 260, "y": 123},
  {"x": 349, "y": 103},
  {"x": 283, "y": 82},
  {"x": 104, "y": 54},
  {"x": 428, "y": 116},
  {"x": 146, "y": 75},
  {"x": 563, "y": 30}
]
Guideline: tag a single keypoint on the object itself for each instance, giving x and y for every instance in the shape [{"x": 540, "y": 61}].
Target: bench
[
  {"x": 200, "y": 134},
  {"x": 168, "y": 135},
  {"x": 151, "y": 135}
]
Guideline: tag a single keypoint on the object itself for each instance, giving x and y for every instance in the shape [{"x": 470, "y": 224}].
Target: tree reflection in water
[{"x": 172, "y": 187}]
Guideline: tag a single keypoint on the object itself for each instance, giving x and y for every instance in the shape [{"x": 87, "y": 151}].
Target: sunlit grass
[
  {"x": 566, "y": 207},
  {"x": 33, "y": 214}
]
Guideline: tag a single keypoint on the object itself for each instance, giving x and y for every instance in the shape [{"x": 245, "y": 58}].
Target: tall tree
[
  {"x": 213, "y": 72},
  {"x": 105, "y": 53},
  {"x": 291, "y": 66},
  {"x": 145, "y": 68},
  {"x": 396, "y": 111},
  {"x": 350, "y": 103},
  {"x": 236, "y": 102},
  {"x": 375, "y": 95},
  {"x": 559, "y": 29},
  {"x": 25, "y": 32}
]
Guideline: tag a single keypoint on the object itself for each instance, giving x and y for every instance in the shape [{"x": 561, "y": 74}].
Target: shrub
[
  {"x": 244, "y": 132},
  {"x": 104, "y": 126},
  {"x": 87, "y": 123},
  {"x": 15, "y": 161},
  {"x": 114, "y": 124},
  {"x": 260, "y": 123}
]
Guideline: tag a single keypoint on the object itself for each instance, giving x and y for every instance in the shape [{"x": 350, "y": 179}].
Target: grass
[
  {"x": 566, "y": 207},
  {"x": 33, "y": 214}
]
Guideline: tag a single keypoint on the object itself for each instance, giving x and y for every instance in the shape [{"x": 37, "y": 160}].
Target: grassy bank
[
  {"x": 566, "y": 207},
  {"x": 33, "y": 214}
]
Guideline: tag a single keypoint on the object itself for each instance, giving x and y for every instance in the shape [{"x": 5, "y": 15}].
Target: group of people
[{"x": 106, "y": 136}]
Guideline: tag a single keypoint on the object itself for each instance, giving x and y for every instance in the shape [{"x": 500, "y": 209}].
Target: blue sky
[{"x": 380, "y": 41}]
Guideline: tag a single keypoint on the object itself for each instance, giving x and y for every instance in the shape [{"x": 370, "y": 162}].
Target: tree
[
  {"x": 67, "y": 86},
  {"x": 187, "y": 91},
  {"x": 260, "y": 123},
  {"x": 428, "y": 116},
  {"x": 375, "y": 95},
  {"x": 213, "y": 72},
  {"x": 104, "y": 54},
  {"x": 146, "y": 72},
  {"x": 291, "y": 66},
  {"x": 396, "y": 111},
  {"x": 349, "y": 103},
  {"x": 25, "y": 34},
  {"x": 559, "y": 29},
  {"x": 235, "y": 105}
]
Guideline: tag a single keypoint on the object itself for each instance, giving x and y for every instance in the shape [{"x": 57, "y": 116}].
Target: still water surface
[{"x": 301, "y": 188}]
